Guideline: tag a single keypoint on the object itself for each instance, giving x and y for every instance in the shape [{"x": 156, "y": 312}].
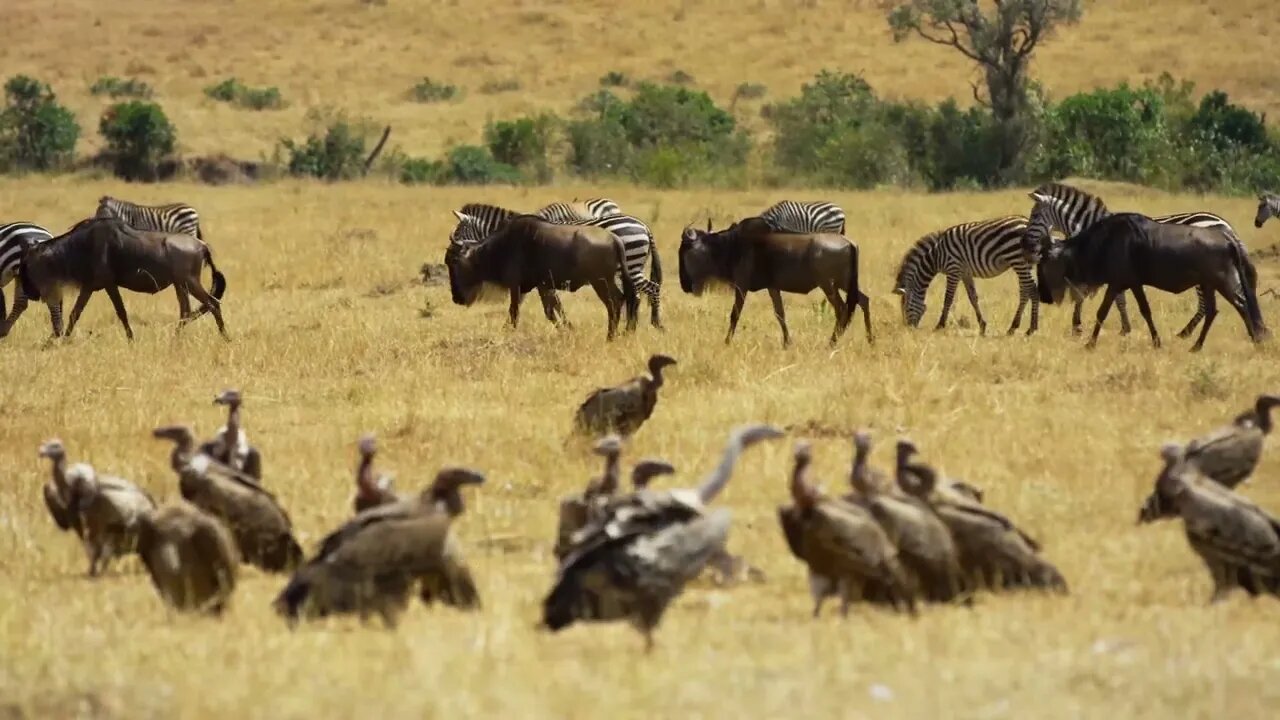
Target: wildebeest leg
[
  {"x": 184, "y": 305},
  {"x": 81, "y": 300},
  {"x": 1141, "y": 296},
  {"x": 114, "y": 293},
  {"x": 1076, "y": 320},
  {"x": 1241, "y": 305},
  {"x": 602, "y": 291},
  {"x": 776, "y": 298},
  {"x": 739, "y": 299},
  {"x": 1103, "y": 308},
  {"x": 844, "y": 311},
  {"x": 513, "y": 312},
  {"x": 972, "y": 291},
  {"x": 865, "y": 302},
  {"x": 1210, "y": 312},
  {"x": 947, "y": 299},
  {"x": 548, "y": 305},
  {"x": 209, "y": 303},
  {"x": 1195, "y": 319}
]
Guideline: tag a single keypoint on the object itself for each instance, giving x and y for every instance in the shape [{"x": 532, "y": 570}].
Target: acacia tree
[{"x": 1000, "y": 36}]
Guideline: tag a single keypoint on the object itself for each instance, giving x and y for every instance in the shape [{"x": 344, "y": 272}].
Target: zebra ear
[
  {"x": 1038, "y": 197},
  {"x": 460, "y": 216}
]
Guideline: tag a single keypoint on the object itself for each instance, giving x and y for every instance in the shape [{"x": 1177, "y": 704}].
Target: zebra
[
  {"x": 1268, "y": 207},
  {"x": 982, "y": 249},
  {"x": 173, "y": 218},
  {"x": 805, "y": 217},
  {"x": 585, "y": 210},
  {"x": 15, "y": 238},
  {"x": 476, "y": 221},
  {"x": 1070, "y": 210}
]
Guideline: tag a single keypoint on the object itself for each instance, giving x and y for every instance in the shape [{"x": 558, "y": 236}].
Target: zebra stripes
[
  {"x": 1268, "y": 207},
  {"x": 982, "y": 249},
  {"x": 805, "y": 217},
  {"x": 173, "y": 218},
  {"x": 585, "y": 210},
  {"x": 15, "y": 238},
  {"x": 1070, "y": 210},
  {"x": 476, "y": 221}
]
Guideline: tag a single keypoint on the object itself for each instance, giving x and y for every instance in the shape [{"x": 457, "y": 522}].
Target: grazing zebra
[
  {"x": 971, "y": 250},
  {"x": 563, "y": 212},
  {"x": 1070, "y": 210},
  {"x": 15, "y": 238},
  {"x": 174, "y": 218},
  {"x": 476, "y": 221},
  {"x": 1268, "y": 207},
  {"x": 805, "y": 217}
]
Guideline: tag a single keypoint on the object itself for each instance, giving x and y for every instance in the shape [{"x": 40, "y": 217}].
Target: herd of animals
[{"x": 792, "y": 247}]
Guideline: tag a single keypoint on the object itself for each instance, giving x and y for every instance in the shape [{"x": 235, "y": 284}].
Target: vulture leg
[
  {"x": 1210, "y": 312},
  {"x": 947, "y": 299},
  {"x": 81, "y": 300},
  {"x": 114, "y": 293},
  {"x": 781, "y": 314}
]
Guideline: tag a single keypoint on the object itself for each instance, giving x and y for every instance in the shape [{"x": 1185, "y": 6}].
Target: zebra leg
[
  {"x": 972, "y": 292},
  {"x": 19, "y": 306},
  {"x": 1195, "y": 319},
  {"x": 653, "y": 291},
  {"x": 81, "y": 300},
  {"x": 739, "y": 299},
  {"x": 1141, "y": 296},
  {"x": 1123, "y": 307},
  {"x": 1026, "y": 292},
  {"x": 114, "y": 293},
  {"x": 776, "y": 298},
  {"x": 947, "y": 299},
  {"x": 1211, "y": 312},
  {"x": 1103, "y": 308}
]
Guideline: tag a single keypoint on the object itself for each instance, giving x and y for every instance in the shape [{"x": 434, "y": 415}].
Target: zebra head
[
  {"x": 468, "y": 231},
  {"x": 911, "y": 281},
  {"x": 1038, "y": 235},
  {"x": 1268, "y": 207}
]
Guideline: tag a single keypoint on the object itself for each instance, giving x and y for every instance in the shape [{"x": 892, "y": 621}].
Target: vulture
[
  {"x": 632, "y": 562},
  {"x": 1227, "y": 455},
  {"x": 925, "y": 546},
  {"x": 847, "y": 552},
  {"x": 230, "y": 446},
  {"x": 191, "y": 556},
  {"x": 370, "y": 564},
  {"x": 109, "y": 509},
  {"x": 261, "y": 527},
  {"x": 372, "y": 488},
  {"x": 57, "y": 493},
  {"x": 623, "y": 408},
  {"x": 1238, "y": 541},
  {"x": 994, "y": 552},
  {"x": 576, "y": 511}
]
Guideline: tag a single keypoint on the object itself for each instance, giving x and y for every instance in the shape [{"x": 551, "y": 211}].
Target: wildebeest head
[
  {"x": 697, "y": 263},
  {"x": 1051, "y": 274},
  {"x": 464, "y": 281}
]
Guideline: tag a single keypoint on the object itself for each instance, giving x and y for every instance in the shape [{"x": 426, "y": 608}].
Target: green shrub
[
  {"x": 233, "y": 91},
  {"x": 36, "y": 133},
  {"x": 1226, "y": 126},
  {"x": 1117, "y": 133},
  {"x": 427, "y": 90},
  {"x": 334, "y": 150},
  {"x": 598, "y": 147},
  {"x": 421, "y": 171},
  {"x": 523, "y": 143},
  {"x": 114, "y": 87},
  {"x": 474, "y": 165},
  {"x": 138, "y": 136}
]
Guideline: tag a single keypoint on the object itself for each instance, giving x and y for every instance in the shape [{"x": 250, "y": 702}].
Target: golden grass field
[{"x": 333, "y": 336}]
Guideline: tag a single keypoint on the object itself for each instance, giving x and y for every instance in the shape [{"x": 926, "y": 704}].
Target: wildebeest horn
[{"x": 708, "y": 224}]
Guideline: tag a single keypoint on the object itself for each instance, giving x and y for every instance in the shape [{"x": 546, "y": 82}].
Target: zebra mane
[
  {"x": 911, "y": 259},
  {"x": 1058, "y": 192},
  {"x": 482, "y": 209}
]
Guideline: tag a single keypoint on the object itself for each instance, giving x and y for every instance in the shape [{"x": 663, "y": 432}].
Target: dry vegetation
[{"x": 333, "y": 336}]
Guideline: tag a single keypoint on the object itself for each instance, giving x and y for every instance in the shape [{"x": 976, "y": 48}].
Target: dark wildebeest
[
  {"x": 106, "y": 254},
  {"x": 1129, "y": 251},
  {"x": 529, "y": 253},
  {"x": 750, "y": 255}
]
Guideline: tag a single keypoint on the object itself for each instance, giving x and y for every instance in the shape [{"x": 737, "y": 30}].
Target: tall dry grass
[{"x": 333, "y": 336}]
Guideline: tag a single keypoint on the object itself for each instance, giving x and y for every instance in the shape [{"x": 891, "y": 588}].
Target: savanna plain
[{"x": 334, "y": 334}]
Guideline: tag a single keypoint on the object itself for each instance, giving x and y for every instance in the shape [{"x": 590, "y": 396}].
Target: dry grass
[
  {"x": 329, "y": 341},
  {"x": 364, "y": 56}
]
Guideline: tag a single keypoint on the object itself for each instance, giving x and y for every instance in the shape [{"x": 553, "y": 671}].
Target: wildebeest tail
[
  {"x": 1248, "y": 277},
  {"x": 219, "y": 285}
]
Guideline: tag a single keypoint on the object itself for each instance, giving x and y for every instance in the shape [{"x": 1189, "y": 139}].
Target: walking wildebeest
[
  {"x": 1129, "y": 251},
  {"x": 529, "y": 253},
  {"x": 106, "y": 254},
  {"x": 751, "y": 256}
]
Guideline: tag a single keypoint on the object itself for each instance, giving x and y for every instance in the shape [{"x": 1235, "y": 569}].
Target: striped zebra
[
  {"x": 476, "y": 221},
  {"x": 805, "y": 217},
  {"x": 1070, "y": 210},
  {"x": 15, "y": 238},
  {"x": 563, "y": 212},
  {"x": 1268, "y": 207},
  {"x": 173, "y": 218},
  {"x": 971, "y": 250}
]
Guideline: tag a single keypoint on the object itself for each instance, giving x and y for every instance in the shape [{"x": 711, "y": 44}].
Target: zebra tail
[
  {"x": 628, "y": 283},
  {"x": 219, "y": 285},
  {"x": 655, "y": 268}
]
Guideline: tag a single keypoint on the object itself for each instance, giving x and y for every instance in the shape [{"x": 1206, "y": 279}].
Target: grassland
[{"x": 334, "y": 336}]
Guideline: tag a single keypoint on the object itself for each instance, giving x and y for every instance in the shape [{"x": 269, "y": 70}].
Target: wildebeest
[
  {"x": 529, "y": 253},
  {"x": 106, "y": 254},
  {"x": 1129, "y": 251},
  {"x": 751, "y": 255}
]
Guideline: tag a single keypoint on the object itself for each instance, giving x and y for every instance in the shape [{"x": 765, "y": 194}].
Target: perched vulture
[
  {"x": 372, "y": 488},
  {"x": 109, "y": 509},
  {"x": 635, "y": 560},
  {"x": 57, "y": 494},
  {"x": 191, "y": 557},
  {"x": 623, "y": 408},
  {"x": 577, "y": 511},
  {"x": 994, "y": 552},
  {"x": 230, "y": 446},
  {"x": 847, "y": 552},
  {"x": 371, "y": 563},
  {"x": 1238, "y": 541},
  {"x": 1227, "y": 455},
  {"x": 261, "y": 527}
]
